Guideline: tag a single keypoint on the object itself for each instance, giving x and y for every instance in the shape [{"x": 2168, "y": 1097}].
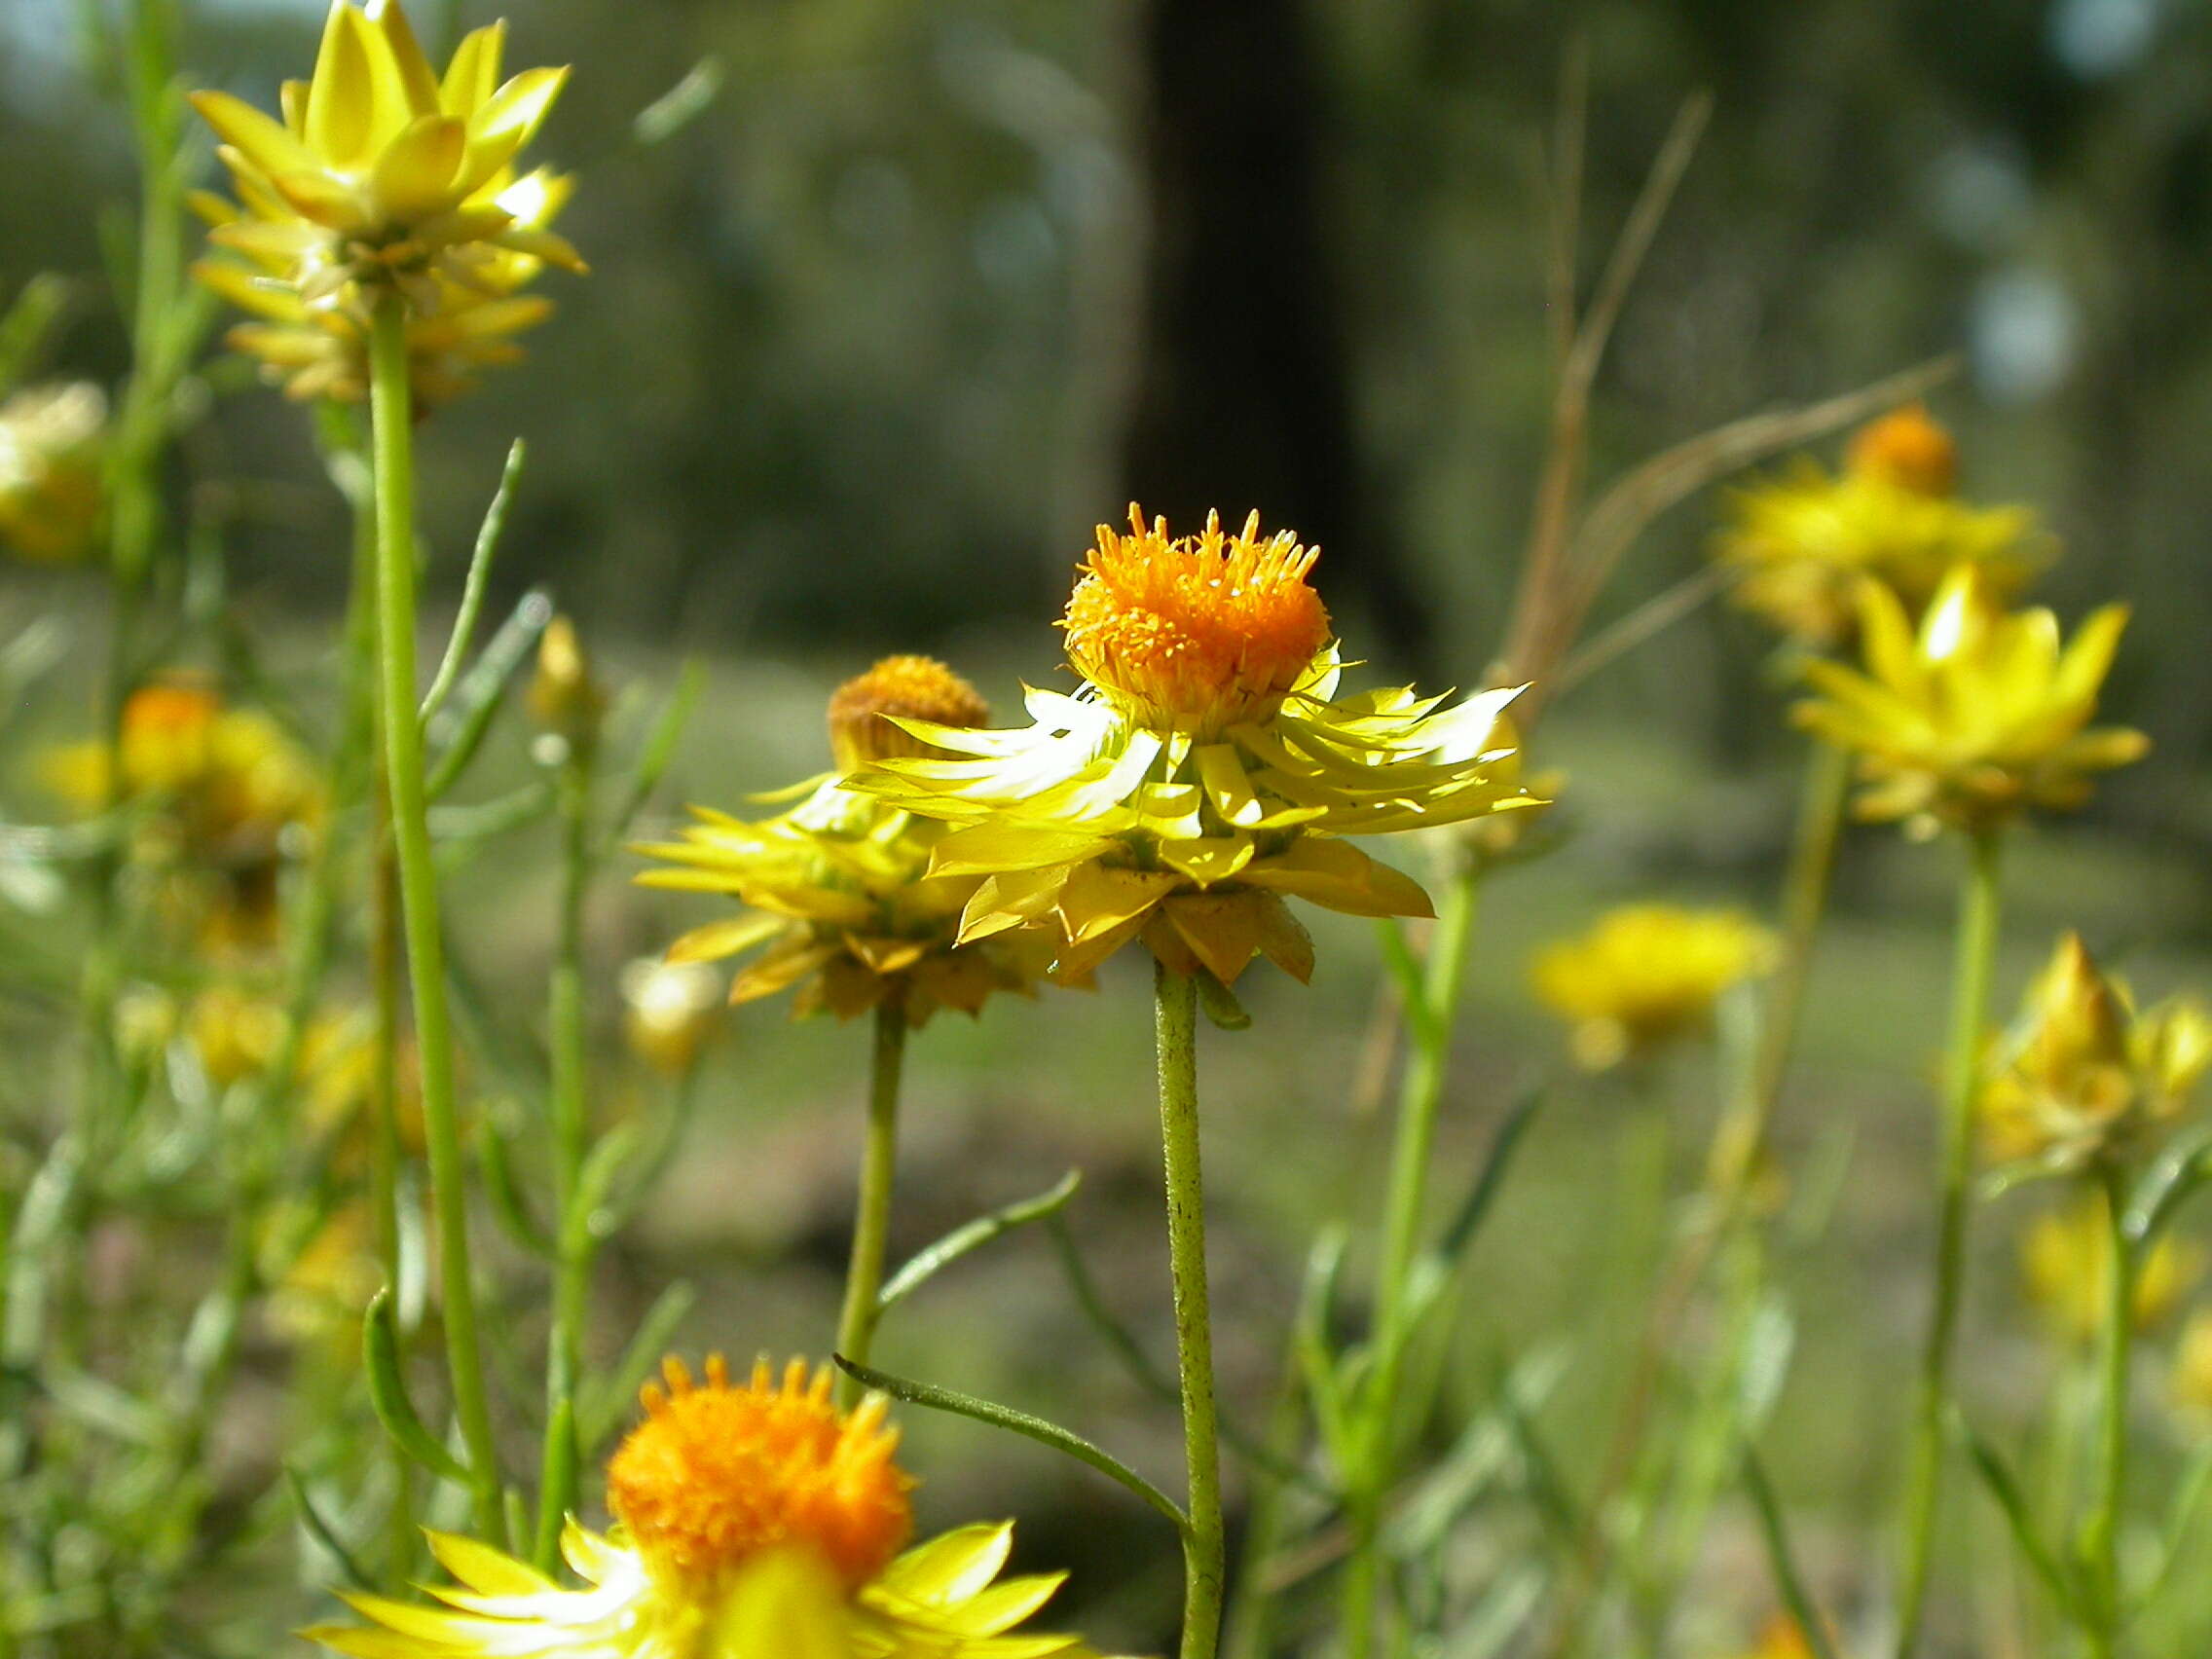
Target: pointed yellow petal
[
  {"x": 415, "y": 174},
  {"x": 473, "y": 75},
  {"x": 262, "y": 141},
  {"x": 402, "y": 57},
  {"x": 339, "y": 116}
]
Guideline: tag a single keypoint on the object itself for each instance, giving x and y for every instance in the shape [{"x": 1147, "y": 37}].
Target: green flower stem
[
  {"x": 1175, "y": 1000},
  {"x": 1971, "y": 969},
  {"x": 391, "y": 406},
  {"x": 880, "y": 1167},
  {"x": 571, "y": 1272},
  {"x": 2100, "y": 1538},
  {"x": 1421, "y": 1093}
]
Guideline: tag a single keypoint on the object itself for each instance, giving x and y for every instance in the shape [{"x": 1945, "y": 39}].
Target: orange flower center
[
  {"x": 1908, "y": 447},
  {"x": 717, "y": 1474},
  {"x": 901, "y": 687},
  {"x": 1200, "y": 633}
]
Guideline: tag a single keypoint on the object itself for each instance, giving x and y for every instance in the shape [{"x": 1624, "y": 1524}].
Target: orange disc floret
[
  {"x": 715, "y": 1474},
  {"x": 898, "y": 688},
  {"x": 1197, "y": 633},
  {"x": 1910, "y": 448}
]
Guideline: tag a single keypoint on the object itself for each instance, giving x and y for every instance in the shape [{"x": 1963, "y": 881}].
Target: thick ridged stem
[
  {"x": 879, "y": 1169},
  {"x": 392, "y": 408},
  {"x": 1175, "y": 999},
  {"x": 1973, "y": 965}
]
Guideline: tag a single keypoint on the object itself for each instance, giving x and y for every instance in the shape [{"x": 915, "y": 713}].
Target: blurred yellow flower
[
  {"x": 2191, "y": 1377},
  {"x": 2083, "y": 1075},
  {"x": 2066, "y": 1255},
  {"x": 319, "y": 1294},
  {"x": 565, "y": 697},
  {"x": 839, "y": 889},
  {"x": 669, "y": 1011},
  {"x": 1783, "y": 1637},
  {"x": 381, "y": 175},
  {"x": 1645, "y": 974},
  {"x": 322, "y": 349},
  {"x": 1801, "y": 544},
  {"x": 754, "y": 1521},
  {"x": 1205, "y": 771},
  {"x": 1979, "y": 716},
  {"x": 51, "y": 496}
]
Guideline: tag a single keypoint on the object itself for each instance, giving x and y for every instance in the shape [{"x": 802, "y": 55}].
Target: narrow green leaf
[
  {"x": 1019, "y": 1423},
  {"x": 1412, "y": 984},
  {"x": 488, "y": 536},
  {"x": 1316, "y": 1359},
  {"x": 1221, "y": 1005},
  {"x": 459, "y": 729},
  {"x": 1774, "y": 1531},
  {"x": 1998, "y": 1477},
  {"x": 926, "y": 1263},
  {"x": 1467, "y": 1220},
  {"x": 388, "y": 1394},
  {"x": 324, "y": 1533},
  {"x": 605, "y": 1402},
  {"x": 23, "y": 331},
  {"x": 588, "y": 1217},
  {"x": 680, "y": 106},
  {"x": 2188, "y": 1497},
  {"x": 659, "y": 747},
  {"x": 508, "y": 1206}
]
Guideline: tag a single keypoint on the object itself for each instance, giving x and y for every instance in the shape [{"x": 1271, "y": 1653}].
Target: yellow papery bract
[
  {"x": 1645, "y": 974},
  {"x": 1975, "y": 716},
  {"x": 1097, "y": 829}
]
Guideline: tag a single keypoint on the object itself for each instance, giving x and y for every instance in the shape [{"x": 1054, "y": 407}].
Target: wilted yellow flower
[
  {"x": 1645, "y": 974},
  {"x": 2191, "y": 1377},
  {"x": 381, "y": 175},
  {"x": 50, "y": 497},
  {"x": 839, "y": 888},
  {"x": 2066, "y": 1256},
  {"x": 2085, "y": 1074},
  {"x": 754, "y": 1521},
  {"x": 322, "y": 349},
  {"x": 1804, "y": 543},
  {"x": 669, "y": 1011},
  {"x": 1205, "y": 771},
  {"x": 1979, "y": 716}
]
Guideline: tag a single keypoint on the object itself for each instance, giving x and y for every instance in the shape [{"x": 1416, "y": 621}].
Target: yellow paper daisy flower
[
  {"x": 51, "y": 496},
  {"x": 380, "y": 173},
  {"x": 2066, "y": 1261},
  {"x": 1976, "y": 716},
  {"x": 839, "y": 889},
  {"x": 2085, "y": 1074},
  {"x": 1205, "y": 771},
  {"x": 322, "y": 349},
  {"x": 1645, "y": 974},
  {"x": 1802, "y": 543},
  {"x": 754, "y": 1521}
]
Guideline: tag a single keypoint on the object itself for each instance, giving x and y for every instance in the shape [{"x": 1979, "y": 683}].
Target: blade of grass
[{"x": 488, "y": 536}]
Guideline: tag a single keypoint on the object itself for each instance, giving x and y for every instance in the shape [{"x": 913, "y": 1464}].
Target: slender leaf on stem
[
  {"x": 508, "y": 1206},
  {"x": 388, "y": 1394},
  {"x": 928, "y": 1262},
  {"x": 31, "y": 317},
  {"x": 1775, "y": 1533},
  {"x": 680, "y": 106},
  {"x": 1467, "y": 1220},
  {"x": 488, "y": 536},
  {"x": 1407, "y": 973},
  {"x": 2181, "y": 1521},
  {"x": 460, "y": 729},
  {"x": 1220, "y": 1006},
  {"x": 1316, "y": 1359},
  {"x": 324, "y": 1533},
  {"x": 1019, "y": 1423},
  {"x": 1990, "y": 1465},
  {"x": 605, "y": 1402},
  {"x": 2173, "y": 1181},
  {"x": 659, "y": 747},
  {"x": 609, "y": 1156}
]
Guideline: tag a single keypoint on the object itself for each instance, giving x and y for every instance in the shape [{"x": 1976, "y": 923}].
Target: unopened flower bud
[{"x": 897, "y": 687}]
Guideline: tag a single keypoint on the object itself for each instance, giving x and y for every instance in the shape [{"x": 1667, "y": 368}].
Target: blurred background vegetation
[{"x": 924, "y": 290}]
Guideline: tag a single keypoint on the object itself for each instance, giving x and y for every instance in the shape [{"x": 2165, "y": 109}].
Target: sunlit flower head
[
  {"x": 322, "y": 351},
  {"x": 1801, "y": 544},
  {"x": 669, "y": 1011},
  {"x": 840, "y": 898},
  {"x": 2065, "y": 1267},
  {"x": 1204, "y": 772},
  {"x": 2085, "y": 1074},
  {"x": 380, "y": 173},
  {"x": 755, "y": 1521},
  {"x": 51, "y": 496},
  {"x": 1645, "y": 974},
  {"x": 2191, "y": 1376},
  {"x": 1975, "y": 717}
]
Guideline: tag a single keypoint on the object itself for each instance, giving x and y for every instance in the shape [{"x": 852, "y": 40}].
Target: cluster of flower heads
[
  {"x": 384, "y": 175},
  {"x": 753, "y": 1519},
  {"x": 1645, "y": 974},
  {"x": 51, "y": 496}
]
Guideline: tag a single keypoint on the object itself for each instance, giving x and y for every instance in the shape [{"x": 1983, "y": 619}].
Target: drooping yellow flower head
[
  {"x": 1974, "y": 718},
  {"x": 1801, "y": 544},
  {"x": 1205, "y": 771},
  {"x": 755, "y": 1522},
  {"x": 2085, "y": 1074},
  {"x": 840, "y": 888},
  {"x": 382, "y": 173},
  {"x": 1645, "y": 974},
  {"x": 51, "y": 496},
  {"x": 2192, "y": 1376},
  {"x": 2065, "y": 1263}
]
